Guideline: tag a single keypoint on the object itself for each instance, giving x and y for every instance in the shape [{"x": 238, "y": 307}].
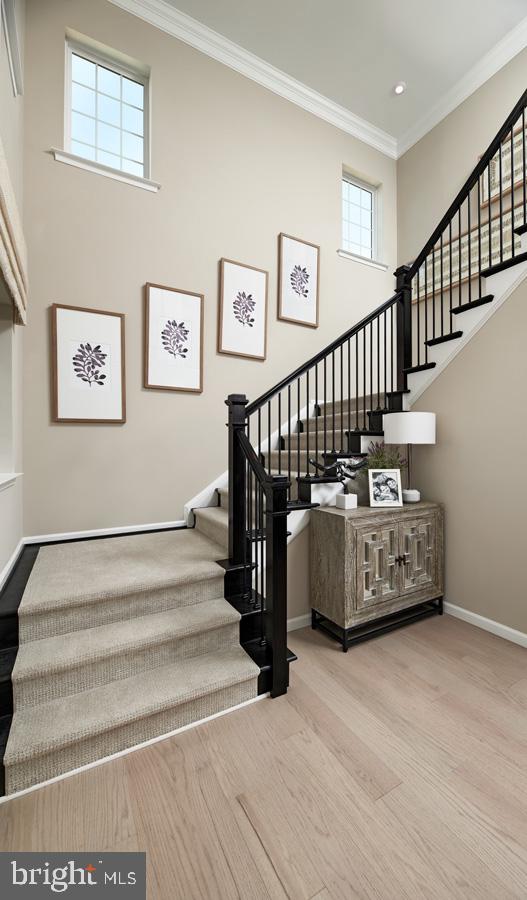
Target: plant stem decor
[{"x": 382, "y": 456}]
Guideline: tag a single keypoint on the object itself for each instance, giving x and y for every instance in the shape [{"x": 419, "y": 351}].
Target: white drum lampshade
[{"x": 410, "y": 428}]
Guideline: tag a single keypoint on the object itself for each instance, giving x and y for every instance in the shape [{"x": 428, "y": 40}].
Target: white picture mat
[
  {"x": 75, "y": 398},
  {"x": 389, "y": 473},
  {"x": 235, "y": 337},
  {"x": 296, "y": 253},
  {"x": 164, "y": 369}
]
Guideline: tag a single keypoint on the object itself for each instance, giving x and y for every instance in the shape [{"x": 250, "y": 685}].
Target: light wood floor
[{"x": 396, "y": 771}]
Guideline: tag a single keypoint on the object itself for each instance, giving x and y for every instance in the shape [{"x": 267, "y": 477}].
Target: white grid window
[
  {"x": 106, "y": 114},
  {"x": 358, "y": 218}
]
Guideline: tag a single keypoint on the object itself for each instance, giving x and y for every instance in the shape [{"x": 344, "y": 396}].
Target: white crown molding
[
  {"x": 190, "y": 31},
  {"x": 513, "y": 43}
]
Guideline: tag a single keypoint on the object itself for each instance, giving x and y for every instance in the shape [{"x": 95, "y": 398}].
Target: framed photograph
[
  {"x": 87, "y": 365},
  {"x": 298, "y": 280},
  {"x": 242, "y": 326},
  {"x": 173, "y": 339},
  {"x": 385, "y": 487}
]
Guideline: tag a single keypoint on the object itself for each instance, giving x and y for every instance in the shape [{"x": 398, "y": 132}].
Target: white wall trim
[
  {"x": 120, "y": 753},
  {"x": 299, "y": 622},
  {"x": 90, "y": 165},
  {"x": 363, "y": 260},
  {"x": 204, "y": 39},
  {"x": 498, "y": 56},
  {"x": 10, "y": 564},
  {"x": 102, "y": 532},
  {"x": 8, "y": 479},
  {"x": 503, "y": 631}
]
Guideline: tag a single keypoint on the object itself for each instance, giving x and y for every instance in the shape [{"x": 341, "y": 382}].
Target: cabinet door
[
  {"x": 417, "y": 539},
  {"x": 377, "y": 552}
]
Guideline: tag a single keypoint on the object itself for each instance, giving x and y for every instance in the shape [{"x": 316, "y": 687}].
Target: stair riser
[
  {"x": 98, "y": 746},
  {"x": 74, "y": 618},
  {"x": 43, "y": 687},
  {"x": 215, "y": 531}
]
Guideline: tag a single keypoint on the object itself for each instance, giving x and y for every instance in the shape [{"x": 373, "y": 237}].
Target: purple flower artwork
[
  {"x": 243, "y": 307},
  {"x": 88, "y": 363},
  {"x": 299, "y": 281},
  {"x": 173, "y": 336}
]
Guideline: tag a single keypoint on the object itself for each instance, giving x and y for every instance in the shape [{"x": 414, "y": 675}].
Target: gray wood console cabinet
[{"x": 375, "y": 569}]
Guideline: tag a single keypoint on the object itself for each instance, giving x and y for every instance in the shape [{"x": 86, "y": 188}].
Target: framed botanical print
[
  {"x": 87, "y": 365},
  {"x": 242, "y": 326},
  {"x": 298, "y": 281},
  {"x": 173, "y": 339}
]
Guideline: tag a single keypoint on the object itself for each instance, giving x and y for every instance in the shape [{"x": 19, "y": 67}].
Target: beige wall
[
  {"x": 431, "y": 173},
  {"x": 11, "y": 133},
  {"x": 476, "y": 468},
  {"x": 482, "y": 437},
  {"x": 237, "y": 165}
]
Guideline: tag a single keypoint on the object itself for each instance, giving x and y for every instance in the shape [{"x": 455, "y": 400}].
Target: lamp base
[{"x": 411, "y": 496}]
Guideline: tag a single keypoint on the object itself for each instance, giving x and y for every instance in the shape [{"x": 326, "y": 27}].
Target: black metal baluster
[
  {"x": 418, "y": 322},
  {"x": 371, "y": 368},
  {"x": 450, "y": 272},
  {"x": 524, "y": 171},
  {"x": 259, "y": 433},
  {"x": 280, "y": 432},
  {"x": 269, "y": 448},
  {"x": 349, "y": 391},
  {"x": 316, "y": 412},
  {"x": 378, "y": 363},
  {"x": 364, "y": 378},
  {"x": 433, "y": 291},
  {"x": 289, "y": 440},
  {"x": 479, "y": 237},
  {"x": 259, "y": 540},
  {"x": 325, "y": 407},
  {"x": 512, "y": 195},
  {"x": 392, "y": 314},
  {"x": 357, "y": 381},
  {"x": 307, "y": 422},
  {"x": 459, "y": 254},
  {"x": 385, "y": 405},
  {"x": 489, "y": 208},
  {"x": 469, "y": 238},
  {"x": 298, "y": 429},
  {"x": 426, "y": 310},
  {"x": 333, "y": 448},
  {"x": 341, "y": 448},
  {"x": 442, "y": 296},
  {"x": 501, "y": 203}
]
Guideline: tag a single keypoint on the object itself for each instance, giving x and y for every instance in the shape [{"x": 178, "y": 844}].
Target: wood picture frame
[
  {"x": 84, "y": 355},
  {"x": 298, "y": 260},
  {"x": 166, "y": 367},
  {"x": 243, "y": 296}
]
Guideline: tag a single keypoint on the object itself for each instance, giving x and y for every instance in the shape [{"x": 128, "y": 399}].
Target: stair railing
[{"x": 478, "y": 235}]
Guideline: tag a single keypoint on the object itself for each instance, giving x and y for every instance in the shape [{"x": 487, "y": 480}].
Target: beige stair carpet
[{"x": 121, "y": 640}]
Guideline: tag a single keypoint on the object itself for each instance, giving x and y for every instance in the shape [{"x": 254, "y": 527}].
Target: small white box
[{"x": 346, "y": 501}]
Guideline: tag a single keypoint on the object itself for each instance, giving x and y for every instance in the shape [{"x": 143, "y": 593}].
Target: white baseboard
[
  {"x": 8, "y": 568},
  {"x": 148, "y": 743},
  {"x": 503, "y": 631},
  {"x": 299, "y": 622},
  {"x": 102, "y": 532}
]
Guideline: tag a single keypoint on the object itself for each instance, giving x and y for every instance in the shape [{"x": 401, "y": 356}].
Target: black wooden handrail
[
  {"x": 471, "y": 181},
  {"x": 305, "y": 367}
]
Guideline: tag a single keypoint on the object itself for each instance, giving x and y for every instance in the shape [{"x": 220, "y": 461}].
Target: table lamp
[{"x": 410, "y": 428}]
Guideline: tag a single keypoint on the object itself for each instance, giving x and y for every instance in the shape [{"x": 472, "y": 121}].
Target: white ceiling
[{"x": 354, "y": 51}]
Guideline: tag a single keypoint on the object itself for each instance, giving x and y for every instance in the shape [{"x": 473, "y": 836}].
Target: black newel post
[
  {"x": 237, "y": 496},
  {"x": 404, "y": 325},
  {"x": 276, "y": 582}
]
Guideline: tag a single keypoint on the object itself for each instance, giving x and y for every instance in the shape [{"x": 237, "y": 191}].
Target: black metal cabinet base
[{"x": 349, "y": 636}]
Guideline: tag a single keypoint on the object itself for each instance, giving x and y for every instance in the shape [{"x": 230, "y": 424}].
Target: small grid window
[
  {"x": 107, "y": 115},
  {"x": 358, "y": 218}
]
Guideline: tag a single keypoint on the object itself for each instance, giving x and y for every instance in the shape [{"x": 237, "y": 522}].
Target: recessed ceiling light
[{"x": 400, "y": 87}]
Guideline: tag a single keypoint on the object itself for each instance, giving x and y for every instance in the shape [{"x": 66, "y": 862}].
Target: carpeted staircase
[{"x": 121, "y": 640}]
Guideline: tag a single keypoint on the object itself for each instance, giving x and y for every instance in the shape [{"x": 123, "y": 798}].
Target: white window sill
[
  {"x": 90, "y": 165},
  {"x": 7, "y": 479},
  {"x": 373, "y": 263}
]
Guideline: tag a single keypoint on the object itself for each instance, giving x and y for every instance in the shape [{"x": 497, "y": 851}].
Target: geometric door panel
[
  {"x": 377, "y": 566},
  {"x": 418, "y": 551}
]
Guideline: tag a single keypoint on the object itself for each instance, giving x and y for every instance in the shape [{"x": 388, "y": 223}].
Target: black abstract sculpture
[{"x": 343, "y": 469}]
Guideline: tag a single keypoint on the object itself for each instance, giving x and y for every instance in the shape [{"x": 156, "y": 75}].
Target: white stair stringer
[{"x": 501, "y": 286}]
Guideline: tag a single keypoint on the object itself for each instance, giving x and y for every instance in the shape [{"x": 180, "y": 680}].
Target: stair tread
[
  {"x": 56, "y": 654},
  {"x": 422, "y": 368},
  {"x": 213, "y": 513},
  {"x": 443, "y": 338},
  {"x": 86, "y": 572},
  {"x": 505, "y": 264},
  {"x": 473, "y": 304},
  {"x": 58, "y": 723}
]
